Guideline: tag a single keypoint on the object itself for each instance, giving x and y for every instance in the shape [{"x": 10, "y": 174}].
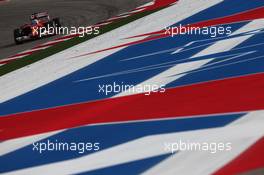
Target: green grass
[{"x": 39, "y": 55}]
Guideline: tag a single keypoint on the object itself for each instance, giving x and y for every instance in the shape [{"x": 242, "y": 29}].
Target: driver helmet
[{"x": 34, "y": 22}]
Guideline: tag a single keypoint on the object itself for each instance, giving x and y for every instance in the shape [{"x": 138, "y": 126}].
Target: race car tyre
[
  {"x": 17, "y": 33},
  {"x": 57, "y": 22}
]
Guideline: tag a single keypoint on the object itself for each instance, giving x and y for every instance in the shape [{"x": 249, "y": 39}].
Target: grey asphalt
[{"x": 72, "y": 13}]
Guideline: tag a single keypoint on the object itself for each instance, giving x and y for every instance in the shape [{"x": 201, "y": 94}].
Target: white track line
[
  {"x": 117, "y": 17},
  {"x": 11, "y": 58},
  {"x": 54, "y": 41},
  {"x": 101, "y": 24},
  {"x": 16, "y": 57}
]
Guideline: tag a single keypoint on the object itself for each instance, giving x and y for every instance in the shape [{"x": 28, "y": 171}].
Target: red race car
[{"x": 38, "y": 21}]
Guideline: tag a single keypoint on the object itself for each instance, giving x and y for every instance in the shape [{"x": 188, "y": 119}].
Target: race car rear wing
[{"x": 39, "y": 15}]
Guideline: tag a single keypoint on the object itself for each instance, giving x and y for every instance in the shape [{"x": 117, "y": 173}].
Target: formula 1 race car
[{"x": 39, "y": 22}]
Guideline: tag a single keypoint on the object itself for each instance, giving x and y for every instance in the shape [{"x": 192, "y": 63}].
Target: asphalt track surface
[{"x": 71, "y": 12}]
